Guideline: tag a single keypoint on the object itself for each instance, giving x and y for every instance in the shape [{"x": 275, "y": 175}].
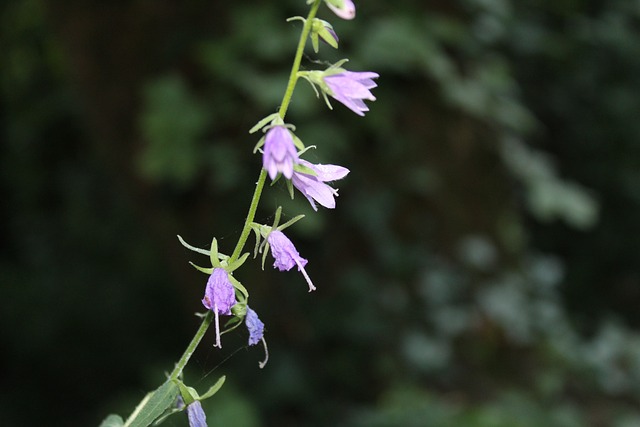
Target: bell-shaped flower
[
  {"x": 313, "y": 187},
  {"x": 286, "y": 255},
  {"x": 254, "y": 326},
  {"x": 345, "y": 9},
  {"x": 196, "y": 415},
  {"x": 279, "y": 152},
  {"x": 219, "y": 297},
  {"x": 351, "y": 88}
]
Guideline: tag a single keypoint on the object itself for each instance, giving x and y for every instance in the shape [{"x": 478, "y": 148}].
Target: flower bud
[
  {"x": 345, "y": 9},
  {"x": 323, "y": 30}
]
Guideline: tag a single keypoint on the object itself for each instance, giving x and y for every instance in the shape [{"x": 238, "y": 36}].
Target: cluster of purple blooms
[
  {"x": 280, "y": 157},
  {"x": 281, "y": 151}
]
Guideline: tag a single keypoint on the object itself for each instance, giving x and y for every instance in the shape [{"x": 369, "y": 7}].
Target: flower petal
[
  {"x": 314, "y": 189},
  {"x": 196, "y": 415},
  {"x": 347, "y": 11},
  {"x": 219, "y": 294},
  {"x": 326, "y": 173},
  {"x": 279, "y": 153},
  {"x": 255, "y": 327}
]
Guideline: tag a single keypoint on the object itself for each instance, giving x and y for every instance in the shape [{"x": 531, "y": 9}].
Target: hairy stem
[{"x": 192, "y": 346}]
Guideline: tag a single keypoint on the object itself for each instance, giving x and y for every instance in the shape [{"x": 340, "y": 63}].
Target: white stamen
[
  {"x": 306, "y": 276},
  {"x": 215, "y": 311},
  {"x": 266, "y": 355}
]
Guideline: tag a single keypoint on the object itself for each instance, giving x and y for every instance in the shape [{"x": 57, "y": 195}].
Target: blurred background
[{"x": 482, "y": 268}]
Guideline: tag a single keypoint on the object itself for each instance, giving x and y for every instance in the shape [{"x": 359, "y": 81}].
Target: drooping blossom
[
  {"x": 279, "y": 152},
  {"x": 345, "y": 9},
  {"x": 351, "y": 88},
  {"x": 254, "y": 326},
  {"x": 196, "y": 415},
  {"x": 286, "y": 255},
  {"x": 219, "y": 297},
  {"x": 313, "y": 187}
]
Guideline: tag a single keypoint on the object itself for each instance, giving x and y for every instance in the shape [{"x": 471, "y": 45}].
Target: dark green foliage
[{"x": 481, "y": 267}]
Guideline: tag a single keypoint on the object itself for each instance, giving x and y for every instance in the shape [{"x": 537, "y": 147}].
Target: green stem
[
  {"x": 293, "y": 77},
  {"x": 192, "y": 346},
  {"x": 284, "y": 105},
  {"x": 246, "y": 230},
  {"x": 250, "y": 216}
]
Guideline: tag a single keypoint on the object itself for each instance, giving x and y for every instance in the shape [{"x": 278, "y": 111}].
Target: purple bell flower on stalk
[
  {"x": 254, "y": 326},
  {"x": 219, "y": 296},
  {"x": 345, "y": 9},
  {"x": 313, "y": 187},
  {"x": 351, "y": 88},
  {"x": 286, "y": 255},
  {"x": 196, "y": 415},
  {"x": 279, "y": 153}
]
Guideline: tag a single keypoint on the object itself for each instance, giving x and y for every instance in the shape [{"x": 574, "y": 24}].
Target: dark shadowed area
[{"x": 481, "y": 268}]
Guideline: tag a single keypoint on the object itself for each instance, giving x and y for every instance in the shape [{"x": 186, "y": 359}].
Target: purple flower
[
  {"x": 345, "y": 9},
  {"x": 351, "y": 88},
  {"x": 313, "y": 187},
  {"x": 196, "y": 415},
  {"x": 255, "y": 327},
  {"x": 219, "y": 296},
  {"x": 286, "y": 255},
  {"x": 279, "y": 153}
]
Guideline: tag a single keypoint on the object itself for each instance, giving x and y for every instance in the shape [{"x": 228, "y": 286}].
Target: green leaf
[
  {"x": 214, "y": 388},
  {"x": 238, "y": 263},
  {"x": 290, "y": 222},
  {"x": 258, "y": 145},
  {"x": 290, "y": 188},
  {"x": 236, "y": 284},
  {"x": 166, "y": 415},
  {"x": 189, "y": 394},
  {"x": 202, "y": 269},
  {"x": 193, "y": 248},
  {"x": 262, "y": 123},
  {"x": 314, "y": 41},
  {"x": 256, "y": 231},
  {"x": 213, "y": 256},
  {"x": 298, "y": 142},
  {"x": 153, "y": 405},
  {"x": 112, "y": 420}
]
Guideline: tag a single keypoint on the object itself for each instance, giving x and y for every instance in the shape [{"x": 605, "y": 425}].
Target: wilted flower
[
  {"x": 286, "y": 255},
  {"x": 345, "y": 9},
  {"x": 196, "y": 415},
  {"x": 313, "y": 187},
  {"x": 254, "y": 326},
  {"x": 219, "y": 296},
  {"x": 351, "y": 88},
  {"x": 279, "y": 153}
]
